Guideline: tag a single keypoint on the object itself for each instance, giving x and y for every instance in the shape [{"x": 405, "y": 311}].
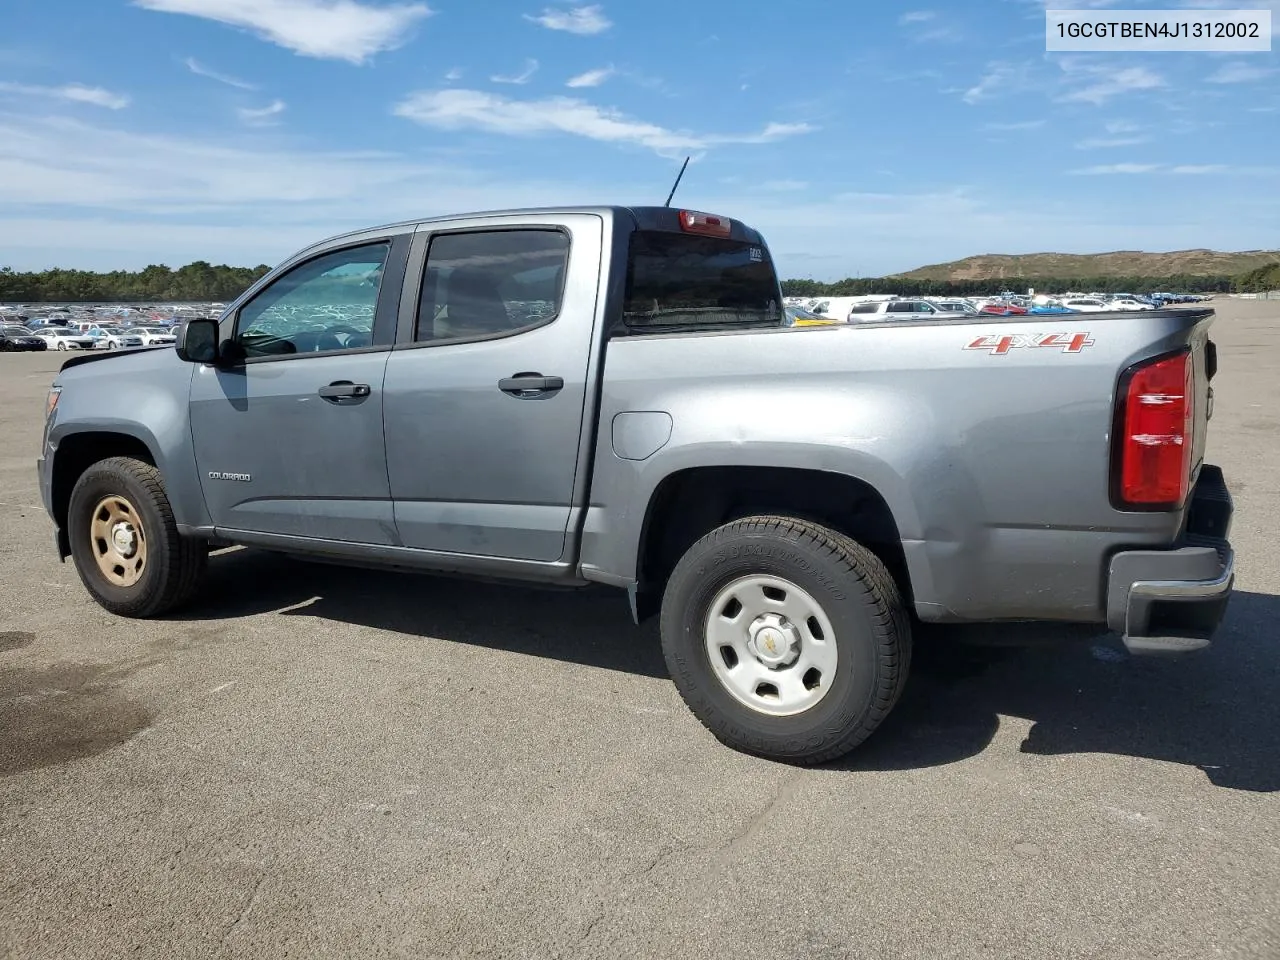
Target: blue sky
[{"x": 862, "y": 138}]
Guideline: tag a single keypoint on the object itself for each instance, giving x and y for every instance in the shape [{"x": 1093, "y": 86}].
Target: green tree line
[
  {"x": 203, "y": 281},
  {"x": 195, "y": 281}
]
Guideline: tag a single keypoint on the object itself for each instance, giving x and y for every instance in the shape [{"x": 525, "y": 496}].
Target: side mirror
[{"x": 197, "y": 341}]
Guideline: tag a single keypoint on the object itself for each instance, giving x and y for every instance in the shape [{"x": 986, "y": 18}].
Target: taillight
[
  {"x": 1156, "y": 421},
  {"x": 706, "y": 223}
]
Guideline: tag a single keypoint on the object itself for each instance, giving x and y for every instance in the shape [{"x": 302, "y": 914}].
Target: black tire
[
  {"x": 858, "y": 596},
  {"x": 6, "y": 346},
  {"x": 174, "y": 564}
]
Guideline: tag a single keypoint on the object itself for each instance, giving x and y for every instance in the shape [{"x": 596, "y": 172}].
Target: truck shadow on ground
[{"x": 1215, "y": 710}]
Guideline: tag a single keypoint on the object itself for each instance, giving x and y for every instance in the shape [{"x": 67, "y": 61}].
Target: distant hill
[{"x": 1120, "y": 263}]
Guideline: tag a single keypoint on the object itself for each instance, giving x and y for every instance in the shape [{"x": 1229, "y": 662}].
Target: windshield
[{"x": 678, "y": 281}]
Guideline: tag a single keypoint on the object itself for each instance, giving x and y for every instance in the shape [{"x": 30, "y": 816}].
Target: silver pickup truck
[{"x": 611, "y": 395}]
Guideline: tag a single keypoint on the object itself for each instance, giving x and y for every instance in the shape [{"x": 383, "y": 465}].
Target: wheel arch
[
  {"x": 688, "y": 503},
  {"x": 75, "y": 453}
]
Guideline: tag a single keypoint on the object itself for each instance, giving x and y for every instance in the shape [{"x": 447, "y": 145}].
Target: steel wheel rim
[
  {"x": 117, "y": 540},
  {"x": 771, "y": 645}
]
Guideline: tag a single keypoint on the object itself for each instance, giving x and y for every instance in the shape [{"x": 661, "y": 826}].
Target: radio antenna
[{"x": 677, "y": 183}]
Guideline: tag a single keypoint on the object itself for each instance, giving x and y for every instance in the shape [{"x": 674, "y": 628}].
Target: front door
[
  {"x": 288, "y": 439},
  {"x": 484, "y": 410}
]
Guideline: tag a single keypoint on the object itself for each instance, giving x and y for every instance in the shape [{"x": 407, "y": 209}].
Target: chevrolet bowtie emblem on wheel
[{"x": 243, "y": 477}]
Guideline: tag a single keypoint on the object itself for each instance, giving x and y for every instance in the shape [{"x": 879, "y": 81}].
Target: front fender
[{"x": 141, "y": 395}]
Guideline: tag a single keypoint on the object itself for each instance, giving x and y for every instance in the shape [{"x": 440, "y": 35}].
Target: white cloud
[
  {"x": 202, "y": 71},
  {"x": 1074, "y": 4},
  {"x": 264, "y": 117},
  {"x": 1103, "y": 82},
  {"x": 454, "y": 75},
  {"x": 73, "y": 92},
  {"x": 584, "y": 21},
  {"x": 530, "y": 68},
  {"x": 997, "y": 76},
  {"x": 592, "y": 78},
  {"x": 1240, "y": 73},
  {"x": 1111, "y": 168},
  {"x": 1196, "y": 169},
  {"x": 325, "y": 29},
  {"x": 926, "y": 28},
  {"x": 1016, "y": 125},
  {"x": 1121, "y": 126},
  {"x": 1106, "y": 143},
  {"x": 80, "y": 195},
  {"x": 477, "y": 110}
]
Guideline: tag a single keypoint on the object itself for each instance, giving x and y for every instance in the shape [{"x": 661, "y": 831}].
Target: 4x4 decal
[{"x": 1000, "y": 344}]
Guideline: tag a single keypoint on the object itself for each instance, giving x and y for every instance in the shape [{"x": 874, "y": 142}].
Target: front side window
[
  {"x": 491, "y": 283},
  {"x": 322, "y": 305}
]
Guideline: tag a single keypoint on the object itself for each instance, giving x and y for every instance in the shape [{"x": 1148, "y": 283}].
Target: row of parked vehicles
[
  {"x": 15, "y": 337},
  {"x": 877, "y": 309}
]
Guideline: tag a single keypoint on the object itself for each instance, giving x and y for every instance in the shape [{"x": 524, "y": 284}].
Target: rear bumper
[{"x": 1172, "y": 601}]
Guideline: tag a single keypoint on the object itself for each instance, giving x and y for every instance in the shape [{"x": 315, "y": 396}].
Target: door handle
[
  {"x": 341, "y": 390},
  {"x": 530, "y": 385}
]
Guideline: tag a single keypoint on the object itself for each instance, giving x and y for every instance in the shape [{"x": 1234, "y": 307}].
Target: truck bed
[{"x": 989, "y": 439}]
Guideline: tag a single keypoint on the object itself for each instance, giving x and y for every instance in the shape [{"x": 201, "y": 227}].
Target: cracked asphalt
[{"x": 324, "y": 762}]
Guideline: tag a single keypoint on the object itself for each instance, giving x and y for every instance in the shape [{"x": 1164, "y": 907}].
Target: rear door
[{"x": 485, "y": 401}]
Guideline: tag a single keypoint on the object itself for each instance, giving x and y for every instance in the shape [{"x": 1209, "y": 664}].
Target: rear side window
[
  {"x": 491, "y": 283},
  {"x": 864, "y": 308},
  {"x": 676, "y": 281},
  {"x": 900, "y": 308}
]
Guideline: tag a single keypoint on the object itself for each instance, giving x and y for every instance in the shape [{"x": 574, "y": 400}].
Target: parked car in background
[
  {"x": 113, "y": 338},
  {"x": 20, "y": 338},
  {"x": 999, "y": 309},
  {"x": 1086, "y": 305},
  {"x": 882, "y": 310},
  {"x": 959, "y": 307},
  {"x": 152, "y": 336},
  {"x": 800, "y": 317},
  {"x": 64, "y": 338},
  {"x": 1130, "y": 303}
]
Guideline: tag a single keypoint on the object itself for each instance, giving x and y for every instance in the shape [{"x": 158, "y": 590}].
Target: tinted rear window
[{"x": 679, "y": 281}]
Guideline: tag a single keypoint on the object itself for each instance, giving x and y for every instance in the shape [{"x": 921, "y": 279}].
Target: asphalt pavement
[{"x": 319, "y": 762}]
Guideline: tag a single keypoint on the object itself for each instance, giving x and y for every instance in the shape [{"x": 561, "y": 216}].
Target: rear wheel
[
  {"x": 125, "y": 541},
  {"x": 62, "y": 344},
  {"x": 786, "y": 639}
]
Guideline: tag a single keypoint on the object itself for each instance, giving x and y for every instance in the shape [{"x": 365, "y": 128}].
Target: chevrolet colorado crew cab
[{"x": 611, "y": 395}]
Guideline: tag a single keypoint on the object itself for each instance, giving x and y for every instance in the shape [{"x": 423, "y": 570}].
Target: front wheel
[
  {"x": 125, "y": 541},
  {"x": 788, "y": 640}
]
